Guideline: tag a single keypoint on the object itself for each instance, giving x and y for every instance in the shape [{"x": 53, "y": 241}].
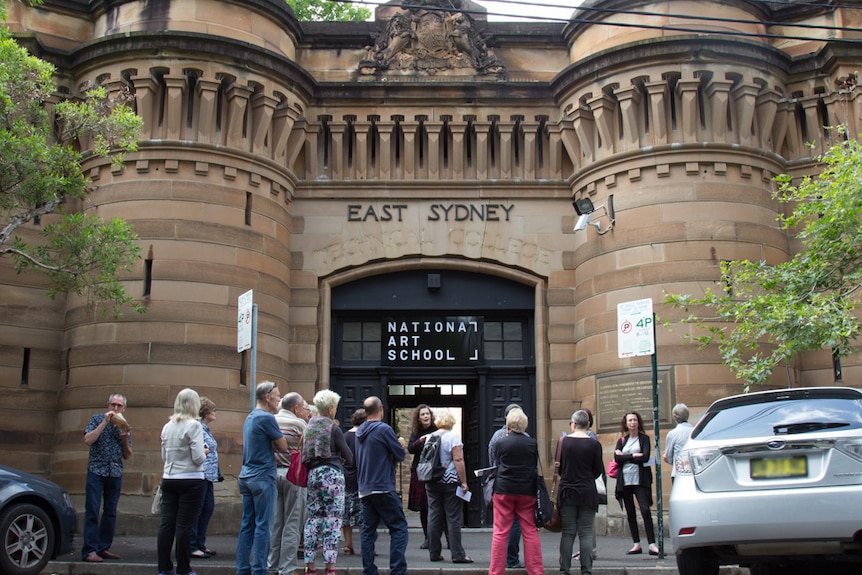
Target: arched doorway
[{"x": 445, "y": 337}]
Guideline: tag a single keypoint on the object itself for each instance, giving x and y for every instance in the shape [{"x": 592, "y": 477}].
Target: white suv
[{"x": 773, "y": 481}]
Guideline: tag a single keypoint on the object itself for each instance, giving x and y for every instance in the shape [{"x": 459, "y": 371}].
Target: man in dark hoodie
[{"x": 377, "y": 452}]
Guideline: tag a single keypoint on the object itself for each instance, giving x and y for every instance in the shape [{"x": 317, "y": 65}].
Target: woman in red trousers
[{"x": 515, "y": 495}]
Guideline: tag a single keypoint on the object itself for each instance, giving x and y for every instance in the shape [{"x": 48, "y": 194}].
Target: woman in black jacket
[
  {"x": 515, "y": 495},
  {"x": 634, "y": 481},
  {"x": 417, "y": 500}
]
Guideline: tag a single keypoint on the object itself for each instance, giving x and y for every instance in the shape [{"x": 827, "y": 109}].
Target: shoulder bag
[
  {"x": 298, "y": 472},
  {"x": 547, "y": 513}
]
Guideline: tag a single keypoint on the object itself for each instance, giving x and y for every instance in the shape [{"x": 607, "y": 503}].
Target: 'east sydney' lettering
[{"x": 436, "y": 212}]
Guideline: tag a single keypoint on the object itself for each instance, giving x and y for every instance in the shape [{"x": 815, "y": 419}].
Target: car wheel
[
  {"x": 28, "y": 540},
  {"x": 696, "y": 562}
]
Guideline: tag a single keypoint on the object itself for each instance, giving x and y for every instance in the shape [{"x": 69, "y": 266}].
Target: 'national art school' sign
[{"x": 447, "y": 340}]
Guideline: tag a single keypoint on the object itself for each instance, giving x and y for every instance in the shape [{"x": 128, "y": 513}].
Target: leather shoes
[
  {"x": 93, "y": 557},
  {"x": 465, "y": 559},
  {"x": 637, "y": 551},
  {"x": 438, "y": 558},
  {"x": 108, "y": 555}
]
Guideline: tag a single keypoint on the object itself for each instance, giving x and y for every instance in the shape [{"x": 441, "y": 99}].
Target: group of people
[
  {"x": 351, "y": 482},
  {"x": 190, "y": 455},
  {"x": 577, "y": 468},
  {"x": 346, "y": 472}
]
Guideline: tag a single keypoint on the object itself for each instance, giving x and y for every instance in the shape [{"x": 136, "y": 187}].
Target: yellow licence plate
[{"x": 779, "y": 467}]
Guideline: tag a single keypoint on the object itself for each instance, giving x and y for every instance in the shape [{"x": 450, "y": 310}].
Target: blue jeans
[
  {"x": 386, "y": 507},
  {"x": 199, "y": 529},
  {"x": 513, "y": 546},
  {"x": 258, "y": 496},
  {"x": 99, "y": 535}
]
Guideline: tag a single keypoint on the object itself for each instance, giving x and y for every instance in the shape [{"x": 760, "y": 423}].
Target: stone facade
[{"x": 292, "y": 158}]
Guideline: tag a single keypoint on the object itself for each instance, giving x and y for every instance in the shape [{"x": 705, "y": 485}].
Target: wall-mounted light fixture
[{"x": 586, "y": 210}]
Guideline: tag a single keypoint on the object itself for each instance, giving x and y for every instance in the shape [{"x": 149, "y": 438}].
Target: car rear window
[{"x": 785, "y": 417}]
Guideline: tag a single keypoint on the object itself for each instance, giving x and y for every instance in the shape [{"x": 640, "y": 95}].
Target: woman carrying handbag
[{"x": 634, "y": 479}]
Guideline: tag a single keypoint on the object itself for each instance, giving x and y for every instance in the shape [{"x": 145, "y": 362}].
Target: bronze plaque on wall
[{"x": 620, "y": 392}]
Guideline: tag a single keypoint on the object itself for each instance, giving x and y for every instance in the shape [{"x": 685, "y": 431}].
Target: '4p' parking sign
[{"x": 635, "y": 331}]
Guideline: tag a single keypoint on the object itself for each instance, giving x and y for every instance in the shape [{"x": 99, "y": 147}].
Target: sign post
[
  {"x": 246, "y": 336},
  {"x": 636, "y": 337}
]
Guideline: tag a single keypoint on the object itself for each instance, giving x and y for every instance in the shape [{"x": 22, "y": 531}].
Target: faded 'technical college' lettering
[{"x": 436, "y": 212}]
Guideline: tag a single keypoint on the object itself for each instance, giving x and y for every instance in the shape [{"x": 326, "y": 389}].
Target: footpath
[{"x": 139, "y": 557}]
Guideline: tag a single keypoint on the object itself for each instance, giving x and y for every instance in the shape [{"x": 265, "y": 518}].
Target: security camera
[{"x": 582, "y": 223}]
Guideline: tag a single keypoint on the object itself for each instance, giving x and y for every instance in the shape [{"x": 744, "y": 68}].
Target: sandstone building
[{"x": 398, "y": 195}]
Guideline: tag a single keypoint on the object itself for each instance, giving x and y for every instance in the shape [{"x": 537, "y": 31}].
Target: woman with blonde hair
[
  {"x": 444, "y": 506},
  {"x": 182, "y": 484},
  {"x": 324, "y": 451},
  {"x": 515, "y": 495}
]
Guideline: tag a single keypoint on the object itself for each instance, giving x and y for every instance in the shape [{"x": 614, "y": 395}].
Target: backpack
[{"x": 429, "y": 468}]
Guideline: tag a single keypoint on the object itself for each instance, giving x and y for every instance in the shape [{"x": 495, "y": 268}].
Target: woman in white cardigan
[{"x": 184, "y": 453}]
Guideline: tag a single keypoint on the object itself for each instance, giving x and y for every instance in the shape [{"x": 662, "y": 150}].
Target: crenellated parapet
[
  {"x": 421, "y": 147},
  {"x": 710, "y": 99}
]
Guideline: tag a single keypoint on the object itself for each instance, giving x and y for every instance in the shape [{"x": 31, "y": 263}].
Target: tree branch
[
  {"x": 24, "y": 217},
  {"x": 36, "y": 262}
]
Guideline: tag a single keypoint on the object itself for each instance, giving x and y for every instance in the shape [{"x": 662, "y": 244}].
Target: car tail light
[
  {"x": 695, "y": 461},
  {"x": 852, "y": 447},
  {"x": 687, "y": 530}
]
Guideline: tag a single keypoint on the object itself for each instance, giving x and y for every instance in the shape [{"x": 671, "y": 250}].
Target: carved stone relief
[{"x": 429, "y": 38}]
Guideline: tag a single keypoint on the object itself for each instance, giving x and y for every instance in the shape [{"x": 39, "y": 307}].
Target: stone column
[
  {"x": 360, "y": 150},
  {"x": 718, "y": 92},
  {"x": 659, "y": 125},
  {"x": 283, "y": 121},
  {"x": 505, "y": 162},
  {"x": 174, "y": 122},
  {"x": 432, "y": 152},
  {"x": 530, "y": 155},
  {"x": 237, "y": 104},
  {"x": 689, "y": 114},
  {"x": 483, "y": 130},
  {"x": 408, "y": 154},
  {"x": 262, "y": 108},
  {"x": 384, "y": 149},
  {"x": 146, "y": 97},
  {"x": 744, "y": 105},
  {"x": 630, "y": 107},
  {"x": 207, "y": 96},
  {"x": 766, "y": 107},
  {"x": 458, "y": 151},
  {"x": 604, "y": 110},
  {"x": 584, "y": 124}
]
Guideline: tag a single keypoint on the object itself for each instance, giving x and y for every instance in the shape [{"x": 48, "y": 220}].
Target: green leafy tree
[
  {"x": 40, "y": 174},
  {"x": 767, "y": 314},
  {"x": 328, "y": 11}
]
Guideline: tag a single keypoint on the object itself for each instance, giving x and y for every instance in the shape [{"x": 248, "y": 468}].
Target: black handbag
[{"x": 544, "y": 505}]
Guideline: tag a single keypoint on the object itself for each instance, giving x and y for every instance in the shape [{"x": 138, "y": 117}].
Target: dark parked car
[
  {"x": 37, "y": 522},
  {"x": 772, "y": 481}
]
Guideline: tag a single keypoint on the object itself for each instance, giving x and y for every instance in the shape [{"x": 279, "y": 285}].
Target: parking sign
[
  {"x": 245, "y": 304},
  {"x": 635, "y": 330}
]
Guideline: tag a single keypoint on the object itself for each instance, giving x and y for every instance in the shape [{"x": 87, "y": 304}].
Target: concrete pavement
[{"x": 139, "y": 557}]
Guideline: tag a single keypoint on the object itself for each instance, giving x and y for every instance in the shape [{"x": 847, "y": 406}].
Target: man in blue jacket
[{"x": 377, "y": 452}]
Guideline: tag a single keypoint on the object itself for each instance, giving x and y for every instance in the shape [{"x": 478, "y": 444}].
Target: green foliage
[
  {"x": 768, "y": 314},
  {"x": 40, "y": 172},
  {"x": 328, "y": 11}
]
